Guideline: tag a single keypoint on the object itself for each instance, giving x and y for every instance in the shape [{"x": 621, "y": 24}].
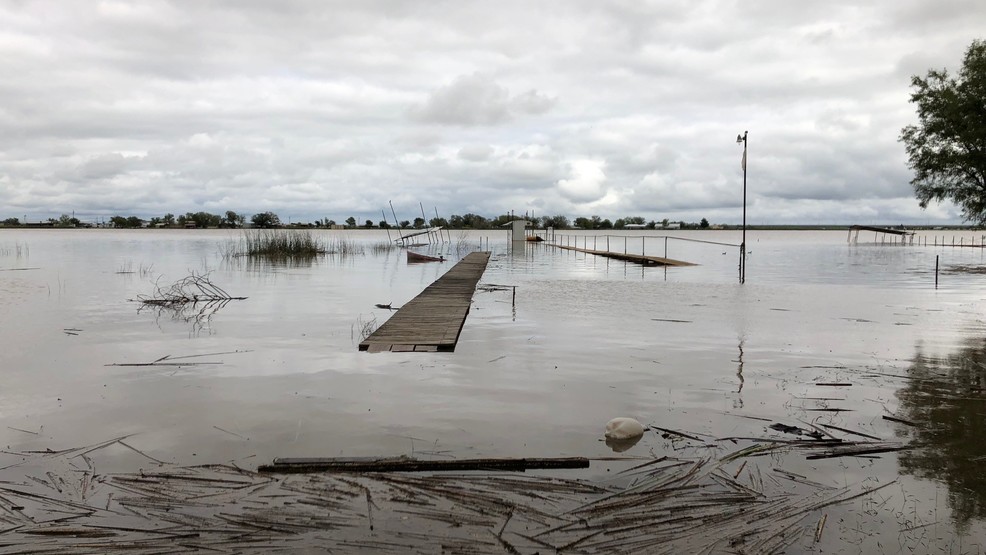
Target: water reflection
[
  {"x": 621, "y": 445},
  {"x": 945, "y": 397},
  {"x": 197, "y": 314},
  {"x": 738, "y": 403}
]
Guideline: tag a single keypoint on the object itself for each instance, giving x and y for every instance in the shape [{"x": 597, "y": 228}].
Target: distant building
[
  {"x": 635, "y": 226},
  {"x": 675, "y": 225}
]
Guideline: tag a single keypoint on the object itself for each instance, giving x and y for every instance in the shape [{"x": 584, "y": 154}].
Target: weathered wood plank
[
  {"x": 638, "y": 258},
  {"x": 433, "y": 320},
  {"x": 403, "y": 464}
]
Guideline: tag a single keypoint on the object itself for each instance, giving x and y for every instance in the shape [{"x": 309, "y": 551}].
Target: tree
[
  {"x": 947, "y": 148},
  {"x": 384, "y": 224},
  {"x": 475, "y": 221},
  {"x": 11, "y": 222},
  {"x": 419, "y": 223},
  {"x": 369, "y": 224},
  {"x": 67, "y": 221},
  {"x": 129, "y": 222},
  {"x": 704, "y": 224},
  {"x": 438, "y": 222},
  {"x": 232, "y": 219},
  {"x": 266, "y": 219},
  {"x": 405, "y": 224},
  {"x": 203, "y": 219},
  {"x": 558, "y": 222},
  {"x": 502, "y": 220},
  {"x": 168, "y": 219},
  {"x": 351, "y": 221}
]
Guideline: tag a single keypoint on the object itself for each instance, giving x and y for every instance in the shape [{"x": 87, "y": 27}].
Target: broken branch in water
[
  {"x": 900, "y": 421},
  {"x": 168, "y": 360},
  {"x": 193, "y": 299},
  {"x": 193, "y": 288}
]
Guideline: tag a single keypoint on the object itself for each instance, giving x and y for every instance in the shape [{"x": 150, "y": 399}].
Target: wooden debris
[
  {"x": 856, "y": 450},
  {"x": 406, "y": 464},
  {"x": 675, "y": 433},
  {"x": 673, "y": 505},
  {"x": 900, "y": 421},
  {"x": 860, "y": 434},
  {"x": 194, "y": 288}
]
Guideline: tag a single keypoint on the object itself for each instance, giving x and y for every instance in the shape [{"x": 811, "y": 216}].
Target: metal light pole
[{"x": 741, "y": 139}]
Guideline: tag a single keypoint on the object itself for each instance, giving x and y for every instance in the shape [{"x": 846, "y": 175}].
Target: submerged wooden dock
[
  {"x": 432, "y": 321},
  {"x": 637, "y": 258}
]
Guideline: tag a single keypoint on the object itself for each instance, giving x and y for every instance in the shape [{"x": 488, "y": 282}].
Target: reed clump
[
  {"x": 282, "y": 243},
  {"x": 383, "y": 247},
  {"x": 345, "y": 246}
]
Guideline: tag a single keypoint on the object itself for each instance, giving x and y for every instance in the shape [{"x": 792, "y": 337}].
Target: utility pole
[{"x": 741, "y": 139}]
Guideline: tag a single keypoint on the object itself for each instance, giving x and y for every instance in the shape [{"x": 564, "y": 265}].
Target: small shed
[{"x": 517, "y": 228}]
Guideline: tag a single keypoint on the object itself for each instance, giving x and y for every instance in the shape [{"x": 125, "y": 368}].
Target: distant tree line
[{"x": 268, "y": 219}]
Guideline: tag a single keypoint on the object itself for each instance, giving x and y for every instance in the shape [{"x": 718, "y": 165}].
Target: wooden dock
[
  {"x": 906, "y": 237},
  {"x": 432, "y": 321},
  {"x": 636, "y": 258}
]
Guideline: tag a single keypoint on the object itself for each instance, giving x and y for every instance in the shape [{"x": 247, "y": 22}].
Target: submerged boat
[{"x": 417, "y": 257}]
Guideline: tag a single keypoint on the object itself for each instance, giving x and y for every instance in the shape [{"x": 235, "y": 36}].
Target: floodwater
[{"x": 585, "y": 339}]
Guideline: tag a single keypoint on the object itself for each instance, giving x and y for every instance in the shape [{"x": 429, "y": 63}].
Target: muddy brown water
[{"x": 688, "y": 349}]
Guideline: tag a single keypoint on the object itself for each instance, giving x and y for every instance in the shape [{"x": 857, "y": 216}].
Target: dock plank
[
  {"x": 637, "y": 258},
  {"x": 433, "y": 320}
]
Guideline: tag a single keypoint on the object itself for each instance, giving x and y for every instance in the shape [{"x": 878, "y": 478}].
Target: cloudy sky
[{"x": 321, "y": 108}]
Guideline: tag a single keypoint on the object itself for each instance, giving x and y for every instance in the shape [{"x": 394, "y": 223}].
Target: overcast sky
[{"x": 315, "y": 108}]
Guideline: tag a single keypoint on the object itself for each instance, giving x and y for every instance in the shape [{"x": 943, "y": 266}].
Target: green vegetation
[
  {"x": 947, "y": 148},
  {"x": 344, "y": 246},
  {"x": 272, "y": 242},
  {"x": 382, "y": 247},
  {"x": 126, "y": 223},
  {"x": 265, "y": 220}
]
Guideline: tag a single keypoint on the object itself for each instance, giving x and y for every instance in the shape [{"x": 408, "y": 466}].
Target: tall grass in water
[
  {"x": 21, "y": 249},
  {"x": 274, "y": 243},
  {"x": 345, "y": 246},
  {"x": 383, "y": 247}
]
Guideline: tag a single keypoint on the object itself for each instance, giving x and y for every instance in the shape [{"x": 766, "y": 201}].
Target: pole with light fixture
[{"x": 741, "y": 140}]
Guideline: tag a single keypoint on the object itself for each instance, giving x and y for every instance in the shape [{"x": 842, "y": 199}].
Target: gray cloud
[
  {"x": 478, "y": 100},
  {"x": 330, "y": 109}
]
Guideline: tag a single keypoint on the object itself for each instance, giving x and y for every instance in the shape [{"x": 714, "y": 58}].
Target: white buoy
[{"x": 624, "y": 428}]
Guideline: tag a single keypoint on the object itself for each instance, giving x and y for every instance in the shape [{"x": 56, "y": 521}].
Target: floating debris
[
  {"x": 194, "y": 288},
  {"x": 674, "y": 505},
  {"x": 624, "y": 428}
]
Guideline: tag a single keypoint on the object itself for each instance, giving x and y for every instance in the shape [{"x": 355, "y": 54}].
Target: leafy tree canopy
[
  {"x": 947, "y": 148},
  {"x": 265, "y": 219}
]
